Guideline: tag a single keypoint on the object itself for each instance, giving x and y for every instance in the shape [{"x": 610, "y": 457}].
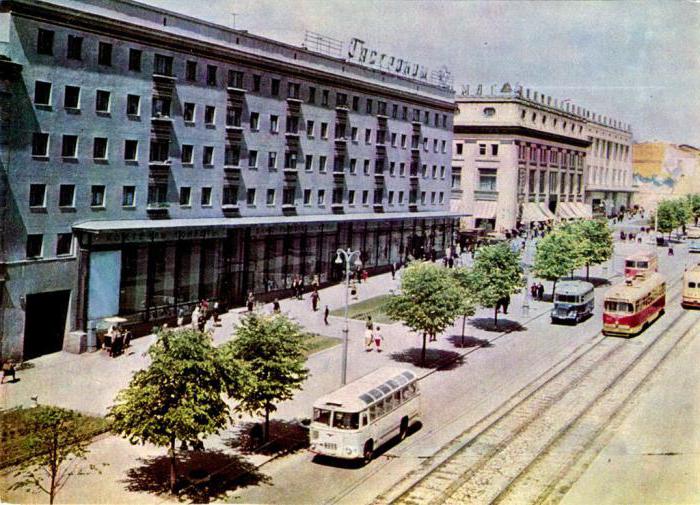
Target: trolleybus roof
[{"x": 635, "y": 288}]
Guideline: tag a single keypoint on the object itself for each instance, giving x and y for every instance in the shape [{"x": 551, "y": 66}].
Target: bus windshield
[
  {"x": 322, "y": 416},
  {"x": 618, "y": 306},
  {"x": 346, "y": 420},
  {"x": 642, "y": 264},
  {"x": 567, "y": 298}
]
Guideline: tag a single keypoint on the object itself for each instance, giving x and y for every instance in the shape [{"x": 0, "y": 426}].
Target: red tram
[{"x": 630, "y": 307}]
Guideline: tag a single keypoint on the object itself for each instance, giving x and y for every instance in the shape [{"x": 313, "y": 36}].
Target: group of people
[
  {"x": 537, "y": 291},
  {"x": 116, "y": 340},
  {"x": 202, "y": 312},
  {"x": 373, "y": 336}
]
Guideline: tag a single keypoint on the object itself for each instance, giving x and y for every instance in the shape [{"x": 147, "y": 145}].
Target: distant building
[
  {"x": 663, "y": 170},
  {"x": 149, "y": 160}
]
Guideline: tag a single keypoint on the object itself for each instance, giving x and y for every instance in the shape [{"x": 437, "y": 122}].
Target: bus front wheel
[{"x": 368, "y": 452}]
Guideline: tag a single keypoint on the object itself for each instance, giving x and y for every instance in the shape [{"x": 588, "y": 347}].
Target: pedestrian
[
  {"x": 195, "y": 317},
  {"x": 202, "y": 321},
  {"x": 215, "y": 313},
  {"x": 670, "y": 251},
  {"x": 533, "y": 291},
  {"x": 369, "y": 338},
  {"x": 276, "y": 306},
  {"x": 301, "y": 288},
  {"x": 450, "y": 262},
  {"x": 393, "y": 271},
  {"x": 326, "y": 313},
  {"x": 8, "y": 370},
  {"x": 365, "y": 275},
  {"x": 315, "y": 283},
  {"x": 540, "y": 291},
  {"x": 251, "y": 301},
  {"x": 506, "y": 302},
  {"x": 295, "y": 287},
  {"x": 314, "y": 300},
  {"x": 180, "y": 316},
  {"x": 377, "y": 335}
]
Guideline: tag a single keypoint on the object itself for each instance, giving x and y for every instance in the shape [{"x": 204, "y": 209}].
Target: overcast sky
[{"x": 638, "y": 62}]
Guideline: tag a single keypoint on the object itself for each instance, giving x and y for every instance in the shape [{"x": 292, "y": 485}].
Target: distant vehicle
[
  {"x": 690, "y": 297},
  {"x": 352, "y": 422},
  {"x": 693, "y": 239},
  {"x": 630, "y": 307},
  {"x": 573, "y": 302},
  {"x": 641, "y": 263}
]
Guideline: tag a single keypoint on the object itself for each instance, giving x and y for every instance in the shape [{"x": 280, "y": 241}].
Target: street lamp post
[{"x": 346, "y": 256}]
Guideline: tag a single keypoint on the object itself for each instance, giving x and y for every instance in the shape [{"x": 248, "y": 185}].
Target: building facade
[
  {"x": 149, "y": 160},
  {"x": 519, "y": 159}
]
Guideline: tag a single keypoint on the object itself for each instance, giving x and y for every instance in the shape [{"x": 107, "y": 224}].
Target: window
[
  {"x": 69, "y": 147},
  {"x": 35, "y": 243},
  {"x": 162, "y": 65},
  {"x": 322, "y": 163},
  {"x": 337, "y": 196},
  {"x": 187, "y": 154},
  {"x": 459, "y": 148},
  {"x": 434, "y": 172},
  {"x": 205, "y": 199},
  {"x": 232, "y": 156},
  {"x": 270, "y": 199},
  {"x": 381, "y": 108},
  {"x": 230, "y": 195},
  {"x": 310, "y": 129},
  {"x": 102, "y": 101},
  {"x": 97, "y": 196},
  {"x": 403, "y": 141},
  {"x": 321, "y": 196},
  {"x": 444, "y": 120},
  {"x": 99, "y": 148},
  {"x": 292, "y": 125},
  {"x": 351, "y": 197},
  {"x": 42, "y": 93},
  {"x": 487, "y": 179},
  {"x": 393, "y": 140},
  {"x": 402, "y": 169},
  {"x": 233, "y": 116},
  {"x": 66, "y": 195},
  {"x": 275, "y": 87},
  {"x": 312, "y": 94},
  {"x": 400, "y": 198},
  {"x": 128, "y": 196},
  {"x": 365, "y": 197},
  {"x": 365, "y": 167},
  {"x": 424, "y": 171},
  {"x": 71, "y": 97},
  {"x": 435, "y": 145},
  {"x": 157, "y": 194},
  {"x": 353, "y": 166},
  {"x": 324, "y": 97},
  {"x": 188, "y": 112},
  {"x": 209, "y": 115},
  {"x": 390, "y": 198},
  {"x": 341, "y": 99},
  {"x": 256, "y": 83},
  {"x": 482, "y": 149},
  {"x": 542, "y": 180},
  {"x": 355, "y": 103},
  {"x": 309, "y": 162},
  {"x": 211, "y": 75},
  {"x": 288, "y": 196},
  {"x": 104, "y": 54},
  {"x": 368, "y": 135},
  {"x": 161, "y": 106},
  {"x": 75, "y": 48},
  {"x": 135, "y": 60},
  {"x": 404, "y": 113},
  {"x": 425, "y": 144},
  {"x": 432, "y": 198},
  {"x": 394, "y": 111},
  {"x": 37, "y": 195},
  {"x": 235, "y": 79},
  {"x": 250, "y": 196},
  {"x": 307, "y": 197},
  {"x": 456, "y": 181},
  {"x": 44, "y": 42},
  {"x": 191, "y": 71},
  {"x": 272, "y": 160},
  {"x": 130, "y": 150},
  {"x": 185, "y": 194},
  {"x": 368, "y": 106},
  {"x": 422, "y": 197},
  {"x": 207, "y": 155},
  {"x": 443, "y": 147},
  {"x": 354, "y": 133},
  {"x": 293, "y": 89},
  {"x": 63, "y": 244},
  {"x": 489, "y": 112},
  {"x": 392, "y": 168},
  {"x": 274, "y": 124},
  {"x": 254, "y": 121},
  {"x": 290, "y": 160},
  {"x": 340, "y": 131},
  {"x": 133, "y": 104},
  {"x": 324, "y": 130},
  {"x": 442, "y": 171},
  {"x": 252, "y": 159}
]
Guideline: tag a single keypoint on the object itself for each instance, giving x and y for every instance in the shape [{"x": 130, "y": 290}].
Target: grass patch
[
  {"x": 319, "y": 342},
  {"x": 370, "y": 307},
  {"x": 16, "y": 423}
]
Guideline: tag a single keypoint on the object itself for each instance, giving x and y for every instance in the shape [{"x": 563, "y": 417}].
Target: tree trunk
[
  {"x": 173, "y": 475},
  {"x": 464, "y": 323},
  {"x": 422, "y": 354},
  {"x": 266, "y": 434},
  {"x": 54, "y": 467},
  {"x": 554, "y": 287},
  {"x": 588, "y": 268},
  {"x": 495, "y": 316}
]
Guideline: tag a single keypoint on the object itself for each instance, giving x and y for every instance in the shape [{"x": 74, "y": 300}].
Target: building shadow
[
  {"x": 504, "y": 325},
  {"x": 202, "y": 476},
  {"x": 286, "y": 437},
  {"x": 434, "y": 358},
  {"x": 466, "y": 342}
]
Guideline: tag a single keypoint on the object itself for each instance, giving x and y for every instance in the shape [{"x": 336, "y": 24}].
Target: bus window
[
  {"x": 629, "y": 263},
  {"x": 346, "y": 420},
  {"x": 567, "y": 298},
  {"x": 618, "y": 306},
  {"x": 373, "y": 413},
  {"x": 642, "y": 264},
  {"x": 405, "y": 394},
  {"x": 322, "y": 416},
  {"x": 388, "y": 404},
  {"x": 365, "y": 418},
  {"x": 397, "y": 398},
  {"x": 692, "y": 285},
  {"x": 379, "y": 409}
]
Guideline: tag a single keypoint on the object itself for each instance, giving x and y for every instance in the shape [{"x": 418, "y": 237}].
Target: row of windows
[
  {"x": 553, "y": 156},
  {"x": 164, "y": 65},
  {"x": 553, "y": 179},
  {"x": 543, "y": 118},
  {"x": 35, "y": 245},
  {"x": 157, "y": 194}
]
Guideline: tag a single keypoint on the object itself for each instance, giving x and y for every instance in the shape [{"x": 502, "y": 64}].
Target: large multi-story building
[
  {"x": 521, "y": 157},
  {"x": 149, "y": 160}
]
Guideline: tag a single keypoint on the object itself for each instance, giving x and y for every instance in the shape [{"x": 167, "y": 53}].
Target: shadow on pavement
[
  {"x": 286, "y": 437},
  {"x": 434, "y": 358},
  {"x": 202, "y": 475},
  {"x": 466, "y": 341},
  {"x": 596, "y": 281},
  {"x": 504, "y": 325}
]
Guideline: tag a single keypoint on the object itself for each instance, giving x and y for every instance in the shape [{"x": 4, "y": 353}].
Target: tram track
[{"x": 520, "y": 448}]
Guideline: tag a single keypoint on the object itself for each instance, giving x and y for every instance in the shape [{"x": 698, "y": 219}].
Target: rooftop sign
[{"x": 359, "y": 53}]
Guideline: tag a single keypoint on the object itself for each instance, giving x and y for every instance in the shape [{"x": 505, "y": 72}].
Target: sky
[{"x": 634, "y": 61}]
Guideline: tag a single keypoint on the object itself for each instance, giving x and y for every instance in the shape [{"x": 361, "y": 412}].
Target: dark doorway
[{"x": 45, "y": 323}]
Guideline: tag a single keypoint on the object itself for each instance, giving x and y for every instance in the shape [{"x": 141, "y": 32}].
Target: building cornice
[{"x": 520, "y": 131}]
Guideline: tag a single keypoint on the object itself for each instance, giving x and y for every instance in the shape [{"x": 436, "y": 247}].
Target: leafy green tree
[
  {"x": 594, "y": 242},
  {"x": 272, "y": 349},
  {"x": 556, "y": 256},
  {"x": 495, "y": 275},
  {"x": 429, "y": 301},
  {"x": 666, "y": 217},
  {"x": 461, "y": 277},
  {"x": 178, "y": 397},
  {"x": 681, "y": 210},
  {"x": 56, "y": 447},
  {"x": 694, "y": 206}
]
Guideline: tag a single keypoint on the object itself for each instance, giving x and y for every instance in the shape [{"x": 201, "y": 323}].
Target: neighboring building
[
  {"x": 518, "y": 159},
  {"x": 663, "y": 170},
  {"x": 149, "y": 160}
]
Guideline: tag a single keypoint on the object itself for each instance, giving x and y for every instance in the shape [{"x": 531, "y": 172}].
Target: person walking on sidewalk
[
  {"x": 195, "y": 317},
  {"x": 393, "y": 270},
  {"x": 369, "y": 334},
  {"x": 251, "y": 301},
  {"x": 326, "y": 313},
  {"x": 540, "y": 291},
  {"x": 377, "y": 335},
  {"x": 314, "y": 300},
  {"x": 276, "y": 306}
]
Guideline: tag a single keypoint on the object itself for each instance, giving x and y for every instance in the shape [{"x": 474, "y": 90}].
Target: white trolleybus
[{"x": 353, "y": 421}]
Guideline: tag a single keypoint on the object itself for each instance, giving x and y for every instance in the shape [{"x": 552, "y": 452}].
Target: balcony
[
  {"x": 236, "y": 88},
  {"x": 342, "y": 107},
  {"x": 378, "y": 207},
  {"x": 337, "y": 207},
  {"x": 234, "y": 126},
  {"x": 413, "y": 206},
  {"x": 294, "y": 99},
  {"x": 161, "y": 118},
  {"x": 164, "y": 77},
  {"x": 486, "y": 195},
  {"x": 232, "y": 168},
  {"x": 291, "y": 171},
  {"x": 292, "y": 134},
  {"x": 158, "y": 210},
  {"x": 159, "y": 168},
  {"x": 339, "y": 175},
  {"x": 341, "y": 140},
  {"x": 379, "y": 177},
  {"x": 230, "y": 209}
]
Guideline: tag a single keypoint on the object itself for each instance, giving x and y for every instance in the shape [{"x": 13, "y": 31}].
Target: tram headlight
[{"x": 350, "y": 451}]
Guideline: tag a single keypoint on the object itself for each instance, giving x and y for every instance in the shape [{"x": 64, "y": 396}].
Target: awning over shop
[
  {"x": 485, "y": 210},
  {"x": 535, "y": 212},
  {"x": 566, "y": 211},
  {"x": 583, "y": 210}
]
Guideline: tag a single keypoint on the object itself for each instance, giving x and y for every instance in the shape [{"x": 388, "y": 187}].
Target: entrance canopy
[
  {"x": 536, "y": 212},
  {"x": 485, "y": 210},
  {"x": 574, "y": 210}
]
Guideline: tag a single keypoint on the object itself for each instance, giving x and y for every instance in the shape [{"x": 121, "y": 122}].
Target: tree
[
  {"x": 594, "y": 242},
  {"x": 178, "y": 397},
  {"x": 429, "y": 300},
  {"x": 556, "y": 256},
  {"x": 495, "y": 275},
  {"x": 666, "y": 217},
  {"x": 56, "y": 447},
  {"x": 681, "y": 210},
  {"x": 461, "y": 277},
  {"x": 272, "y": 349},
  {"x": 694, "y": 206}
]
